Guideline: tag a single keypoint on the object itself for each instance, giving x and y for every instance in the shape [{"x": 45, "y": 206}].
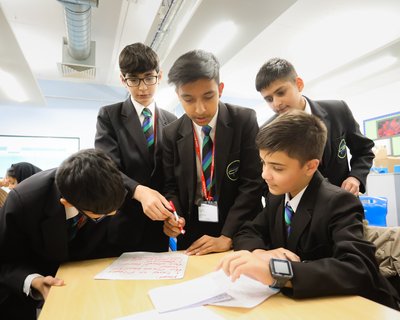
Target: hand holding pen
[{"x": 182, "y": 231}]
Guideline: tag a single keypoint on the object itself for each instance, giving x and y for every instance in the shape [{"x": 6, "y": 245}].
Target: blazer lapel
[
  {"x": 223, "y": 141},
  {"x": 185, "y": 146},
  {"x": 54, "y": 228},
  {"x": 279, "y": 229},
  {"x": 134, "y": 127},
  {"x": 161, "y": 122},
  {"x": 303, "y": 214},
  {"x": 321, "y": 113}
]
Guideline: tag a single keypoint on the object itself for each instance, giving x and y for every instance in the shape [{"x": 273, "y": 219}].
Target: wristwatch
[{"x": 281, "y": 271}]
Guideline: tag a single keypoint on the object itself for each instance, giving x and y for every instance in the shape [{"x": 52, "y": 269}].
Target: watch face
[{"x": 282, "y": 267}]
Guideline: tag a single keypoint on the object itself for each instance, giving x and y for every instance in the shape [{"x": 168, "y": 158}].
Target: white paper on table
[
  {"x": 146, "y": 266},
  {"x": 196, "y": 292},
  {"x": 198, "y": 313},
  {"x": 214, "y": 288},
  {"x": 246, "y": 293}
]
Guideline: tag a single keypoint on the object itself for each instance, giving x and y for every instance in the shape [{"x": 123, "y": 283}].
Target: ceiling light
[
  {"x": 219, "y": 36},
  {"x": 11, "y": 87}
]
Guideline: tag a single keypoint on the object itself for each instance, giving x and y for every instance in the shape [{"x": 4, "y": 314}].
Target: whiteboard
[{"x": 43, "y": 152}]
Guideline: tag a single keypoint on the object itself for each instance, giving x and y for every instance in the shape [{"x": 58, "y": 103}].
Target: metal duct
[{"x": 77, "y": 20}]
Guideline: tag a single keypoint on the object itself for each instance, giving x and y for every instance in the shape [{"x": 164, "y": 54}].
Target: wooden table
[{"x": 86, "y": 298}]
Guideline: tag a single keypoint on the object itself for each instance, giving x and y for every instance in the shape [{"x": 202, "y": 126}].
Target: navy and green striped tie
[
  {"x": 148, "y": 129},
  {"x": 207, "y": 149},
  {"x": 288, "y": 217}
]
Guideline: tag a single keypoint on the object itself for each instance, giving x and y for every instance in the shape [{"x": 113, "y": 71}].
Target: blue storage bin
[
  {"x": 375, "y": 210},
  {"x": 396, "y": 168},
  {"x": 379, "y": 169}
]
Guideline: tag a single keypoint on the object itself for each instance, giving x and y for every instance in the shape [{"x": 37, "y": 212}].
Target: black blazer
[
  {"x": 33, "y": 234},
  {"x": 120, "y": 135},
  {"x": 343, "y": 131},
  {"x": 327, "y": 235},
  {"x": 237, "y": 171}
]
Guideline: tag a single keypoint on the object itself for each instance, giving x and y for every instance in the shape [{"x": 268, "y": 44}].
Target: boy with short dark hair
[
  {"x": 131, "y": 133},
  {"x": 281, "y": 87},
  {"x": 51, "y": 218},
  {"x": 308, "y": 241},
  {"x": 210, "y": 159}
]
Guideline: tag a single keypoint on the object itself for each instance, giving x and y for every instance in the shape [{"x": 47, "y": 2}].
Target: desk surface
[{"x": 85, "y": 298}]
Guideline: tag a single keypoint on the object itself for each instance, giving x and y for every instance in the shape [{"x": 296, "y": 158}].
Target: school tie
[
  {"x": 288, "y": 217},
  {"x": 74, "y": 224},
  {"x": 148, "y": 129},
  {"x": 207, "y": 149}
]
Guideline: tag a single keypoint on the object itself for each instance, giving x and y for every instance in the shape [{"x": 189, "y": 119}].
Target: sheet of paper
[
  {"x": 214, "y": 288},
  {"x": 246, "y": 293},
  {"x": 198, "y": 313},
  {"x": 190, "y": 293},
  {"x": 146, "y": 266}
]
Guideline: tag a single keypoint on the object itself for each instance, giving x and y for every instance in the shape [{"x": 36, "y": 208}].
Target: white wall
[{"x": 71, "y": 111}]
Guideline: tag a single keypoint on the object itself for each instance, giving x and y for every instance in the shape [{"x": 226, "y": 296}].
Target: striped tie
[
  {"x": 207, "y": 158},
  {"x": 74, "y": 224},
  {"x": 288, "y": 217},
  {"x": 148, "y": 129}
]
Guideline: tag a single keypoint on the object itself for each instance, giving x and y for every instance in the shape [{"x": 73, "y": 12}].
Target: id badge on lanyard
[{"x": 208, "y": 211}]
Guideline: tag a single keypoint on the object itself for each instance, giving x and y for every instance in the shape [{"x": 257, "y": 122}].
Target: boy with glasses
[
  {"x": 131, "y": 132},
  {"x": 48, "y": 220}
]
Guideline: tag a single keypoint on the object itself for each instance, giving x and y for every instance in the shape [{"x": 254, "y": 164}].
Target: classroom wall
[
  {"x": 71, "y": 111},
  {"x": 376, "y": 102}
]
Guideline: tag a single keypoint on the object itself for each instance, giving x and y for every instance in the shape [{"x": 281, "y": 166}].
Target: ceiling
[{"x": 327, "y": 41}]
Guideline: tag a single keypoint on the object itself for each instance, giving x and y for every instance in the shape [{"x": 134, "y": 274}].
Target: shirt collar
[
  {"x": 70, "y": 212},
  {"x": 212, "y": 124},
  {"x": 139, "y": 107},
  {"x": 307, "y": 108},
  {"x": 294, "y": 202}
]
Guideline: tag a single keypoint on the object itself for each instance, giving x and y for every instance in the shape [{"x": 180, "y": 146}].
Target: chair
[
  {"x": 375, "y": 210},
  {"x": 3, "y": 196},
  {"x": 387, "y": 254}
]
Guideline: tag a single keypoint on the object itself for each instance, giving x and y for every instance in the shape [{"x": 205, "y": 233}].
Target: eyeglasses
[{"x": 135, "y": 82}]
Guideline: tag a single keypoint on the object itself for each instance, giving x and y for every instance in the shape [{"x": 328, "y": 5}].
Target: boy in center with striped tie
[
  {"x": 308, "y": 241},
  {"x": 211, "y": 167}
]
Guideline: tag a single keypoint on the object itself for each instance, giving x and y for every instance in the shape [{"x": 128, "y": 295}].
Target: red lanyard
[{"x": 205, "y": 192}]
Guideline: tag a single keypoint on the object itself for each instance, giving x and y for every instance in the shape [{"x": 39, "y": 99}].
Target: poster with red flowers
[{"x": 389, "y": 127}]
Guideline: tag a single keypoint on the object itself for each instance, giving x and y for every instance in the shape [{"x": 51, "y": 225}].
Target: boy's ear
[
  {"x": 311, "y": 166},
  {"x": 65, "y": 203},
  {"x": 121, "y": 77},
  {"x": 160, "y": 75},
  {"x": 221, "y": 88},
  {"x": 299, "y": 84}
]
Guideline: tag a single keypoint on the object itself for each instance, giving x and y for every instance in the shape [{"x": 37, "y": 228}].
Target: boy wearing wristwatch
[{"x": 308, "y": 241}]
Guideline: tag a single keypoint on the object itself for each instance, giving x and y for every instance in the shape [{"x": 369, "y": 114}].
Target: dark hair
[
  {"x": 22, "y": 170},
  {"x": 300, "y": 135},
  {"x": 138, "y": 58},
  {"x": 275, "y": 69},
  {"x": 192, "y": 66},
  {"x": 90, "y": 180}
]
